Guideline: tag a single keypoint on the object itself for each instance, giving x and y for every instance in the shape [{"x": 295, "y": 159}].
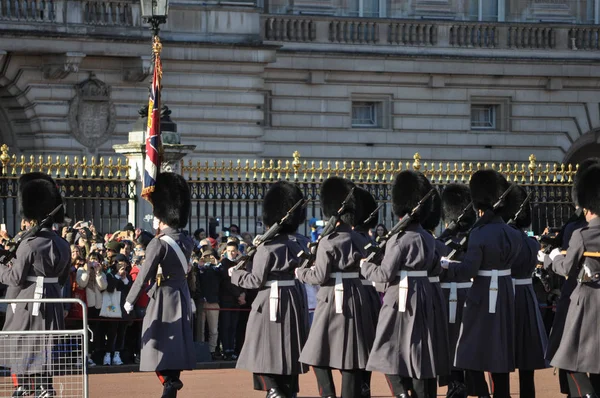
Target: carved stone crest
[{"x": 92, "y": 113}]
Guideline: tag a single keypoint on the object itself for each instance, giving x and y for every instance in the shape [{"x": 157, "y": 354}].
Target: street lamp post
[{"x": 155, "y": 13}]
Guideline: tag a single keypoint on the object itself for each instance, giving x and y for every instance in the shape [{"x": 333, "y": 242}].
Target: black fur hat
[
  {"x": 38, "y": 195},
  {"x": 365, "y": 205},
  {"x": 588, "y": 189},
  {"x": 583, "y": 166},
  {"x": 486, "y": 188},
  {"x": 432, "y": 219},
  {"x": 333, "y": 192},
  {"x": 408, "y": 189},
  {"x": 278, "y": 200},
  {"x": 455, "y": 198},
  {"x": 171, "y": 200}
]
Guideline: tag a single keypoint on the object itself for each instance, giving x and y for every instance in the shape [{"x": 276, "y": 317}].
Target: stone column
[{"x": 140, "y": 212}]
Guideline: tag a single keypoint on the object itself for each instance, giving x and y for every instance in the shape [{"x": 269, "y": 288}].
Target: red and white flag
[{"x": 153, "y": 141}]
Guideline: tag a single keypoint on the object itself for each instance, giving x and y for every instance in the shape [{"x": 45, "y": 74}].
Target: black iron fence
[
  {"x": 233, "y": 192},
  {"x": 99, "y": 192}
]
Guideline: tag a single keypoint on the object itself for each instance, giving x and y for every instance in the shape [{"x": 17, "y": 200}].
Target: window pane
[
  {"x": 483, "y": 116},
  {"x": 364, "y": 114}
]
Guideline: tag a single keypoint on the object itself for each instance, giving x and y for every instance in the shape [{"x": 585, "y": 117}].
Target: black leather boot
[
  {"x": 590, "y": 396},
  {"x": 401, "y": 396},
  {"x": 44, "y": 392},
  {"x": 170, "y": 388},
  {"x": 275, "y": 393},
  {"x": 456, "y": 390},
  {"x": 21, "y": 391}
]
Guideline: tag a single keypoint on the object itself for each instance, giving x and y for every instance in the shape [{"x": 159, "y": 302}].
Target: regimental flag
[{"x": 153, "y": 141}]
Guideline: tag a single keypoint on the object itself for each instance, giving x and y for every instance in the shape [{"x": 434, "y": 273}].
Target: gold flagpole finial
[{"x": 156, "y": 45}]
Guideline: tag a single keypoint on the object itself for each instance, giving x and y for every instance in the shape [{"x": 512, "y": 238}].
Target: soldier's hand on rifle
[
  {"x": 541, "y": 256},
  {"x": 230, "y": 271}
]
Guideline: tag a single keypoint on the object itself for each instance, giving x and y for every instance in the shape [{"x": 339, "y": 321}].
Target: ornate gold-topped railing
[
  {"x": 295, "y": 169},
  {"x": 106, "y": 167},
  {"x": 94, "y": 189}
]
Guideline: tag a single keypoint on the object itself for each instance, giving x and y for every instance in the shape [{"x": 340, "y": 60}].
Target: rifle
[
  {"x": 377, "y": 250},
  {"x": 452, "y": 228},
  {"x": 513, "y": 220},
  {"x": 8, "y": 255},
  {"x": 553, "y": 242},
  {"x": 309, "y": 258},
  {"x": 269, "y": 235},
  {"x": 372, "y": 215},
  {"x": 486, "y": 218}
]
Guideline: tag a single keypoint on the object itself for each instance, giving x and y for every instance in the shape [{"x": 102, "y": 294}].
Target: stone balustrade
[
  {"x": 394, "y": 32},
  {"x": 27, "y": 10},
  {"x": 100, "y": 12}
]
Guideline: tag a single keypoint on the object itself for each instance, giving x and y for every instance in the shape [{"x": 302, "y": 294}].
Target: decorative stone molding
[
  {"x": 92, "y": 113},
  {"x": 57, "y": 67},
  {"x": 137, "y": 69}
]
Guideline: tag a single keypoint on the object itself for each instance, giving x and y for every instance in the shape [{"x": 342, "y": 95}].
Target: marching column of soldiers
[{"x": 454, "y": 308}]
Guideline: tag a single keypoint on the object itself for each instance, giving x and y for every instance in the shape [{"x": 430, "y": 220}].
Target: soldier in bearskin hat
[
  {"x": 342, "y": 332},
  {"x": 167, "y": 339},
  {"x": 40, "y": 268},
  {"x": 365, "y": 205},
  {"x": 486, "y": 342},
  {"x": 277, "y": 327},
  {"x": 440, "y": 341},
  {"x": 564, "y": 301},
  {"x": 455, "y": 199},
  {"x": 403, "y": 347},
  {"x": 530, "y": 334},
  {"x": 577, "y": 351}
]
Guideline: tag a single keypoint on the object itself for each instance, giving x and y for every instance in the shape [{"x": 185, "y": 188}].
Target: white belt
[
  {"x": 339, "y": 288},
  {"x": 39, "y": 290},
  {"x": 522, "y": 281},
  {"x": 274, "y": 296},
  {"x": 434, "y": 279},
  {"x": 453, "y": 299},
  {"x": 403, "y": 286},
  {"x": 494, "y": 274},
  {"x": 367, "y": 283}
]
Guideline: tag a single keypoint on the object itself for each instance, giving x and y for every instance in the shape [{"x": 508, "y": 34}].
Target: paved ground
[{"x": 231, "y": 383}]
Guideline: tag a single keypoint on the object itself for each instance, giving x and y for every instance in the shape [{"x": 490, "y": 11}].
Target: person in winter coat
[
  {"x": 403, "y": 349},
  {"x": 167, "y": 336},
  {"x": 487, "y": 339},
  {"x": 578, "y": 348},
  {"x": 531, "y": 340},
  {"x": 41, "y": 266},
  {"x": 342, "y": 332},
  {"x": 276, "y": 330}
]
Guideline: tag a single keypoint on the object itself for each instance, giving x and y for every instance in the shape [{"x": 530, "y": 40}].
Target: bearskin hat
[
  {"x": 455, "y": 198},
  {"x": 583, "y": 166},
  {"x": 280, "y": 198},
  {"x": 408, "y": 189},
  {"x": 38, "y": 196},
  {"x": 486, "y": 188},
  {"x": 365, "y": 205},
  {"x": 171, "y": 200},
  {"x": 588, "y": 189},
  {"x": 432, "y": 219},
  {"x": 334, "y": 191}
]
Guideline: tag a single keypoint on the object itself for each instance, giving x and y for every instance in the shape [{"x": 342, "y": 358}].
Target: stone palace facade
[{"x": 472, "y": 80}]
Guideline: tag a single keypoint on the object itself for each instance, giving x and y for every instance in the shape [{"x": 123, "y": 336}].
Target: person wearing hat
[
  {"x": 167, "y": 339},
  {"x": 112, "y": 249},
  {"x": 276, "y": 330},
  {"x": 564, "y": 301},
  {"x": 455, "y": 198},
  {"x": 365, "y": 205},
  {"x": 577, "y": 352},
  {"x": 530, "y": 334},
  {"x": 341, "y": 335},
  {"x": 40, "y": 268},
  {"x": 403, "y": 349},
  {"x": 487, "y": 342}
]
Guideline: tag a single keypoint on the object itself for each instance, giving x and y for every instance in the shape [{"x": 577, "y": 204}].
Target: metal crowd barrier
[{"x": 35, "y": 354}]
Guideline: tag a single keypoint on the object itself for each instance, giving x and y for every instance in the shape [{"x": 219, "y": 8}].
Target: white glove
[
  {"x": 230, "y": 271},
  {"x": 296, "y": 272},
  {"x": 128, "y": 307},
  {"x": 541, "y": 256},
  {"x": 445, "y": 261},
  {"x": 554, "y": 253},
  {"x": 362, "y": 262}
]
